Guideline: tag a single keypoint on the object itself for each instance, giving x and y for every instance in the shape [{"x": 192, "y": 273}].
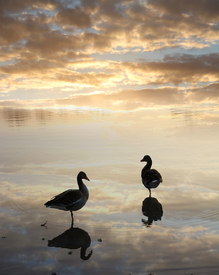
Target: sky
[{"x": 121, "y": 55}]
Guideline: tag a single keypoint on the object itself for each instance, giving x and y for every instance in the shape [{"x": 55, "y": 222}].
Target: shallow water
[{"x": 42, "y": 151}]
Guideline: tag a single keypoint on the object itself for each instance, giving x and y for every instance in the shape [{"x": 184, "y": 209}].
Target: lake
[{"x": 43, "y": 150}]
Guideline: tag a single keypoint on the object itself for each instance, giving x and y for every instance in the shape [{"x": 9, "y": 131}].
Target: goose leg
[{"x": 72, "y": 219}]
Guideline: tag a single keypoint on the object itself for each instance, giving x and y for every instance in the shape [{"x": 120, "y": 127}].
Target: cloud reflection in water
[{"x": 37, "y": 161}]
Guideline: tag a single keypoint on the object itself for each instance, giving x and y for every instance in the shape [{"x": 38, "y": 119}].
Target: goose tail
[{"x": 48, "y": 204}]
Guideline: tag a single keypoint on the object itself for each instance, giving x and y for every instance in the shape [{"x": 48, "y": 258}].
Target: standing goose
[
  {"x": 151, "y": 178},
  {"x": 72, "y": 199}
]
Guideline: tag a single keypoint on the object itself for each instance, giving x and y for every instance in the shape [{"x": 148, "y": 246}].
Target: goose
[
  {"x": 151, "y": 178},
  {"x": 72, "y": 199}
]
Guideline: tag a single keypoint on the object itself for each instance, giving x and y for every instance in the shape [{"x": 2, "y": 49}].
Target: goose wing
[
  {"x": 66, "y": 199},
  {"x": 151, "y": 175}
]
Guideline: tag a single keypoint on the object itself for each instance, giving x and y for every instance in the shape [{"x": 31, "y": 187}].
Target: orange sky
[{"x": 120, "y": 55}]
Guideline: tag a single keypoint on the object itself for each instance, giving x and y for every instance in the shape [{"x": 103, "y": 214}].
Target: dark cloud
[
  {"x": 28, "y": 68},
  {"x": 12, "y": 30},
  {"x": 98, "y": 42},
  {"x": 76, "y": 17},
  {"x": 208, "y": 93},
  {"x": 176, "y": 69},
  {"x": 109, "y": 20},
  {"x": 17, "y": 6},
  {"x": 208, "y": 9},
  {"x": 52, "y": 43}
]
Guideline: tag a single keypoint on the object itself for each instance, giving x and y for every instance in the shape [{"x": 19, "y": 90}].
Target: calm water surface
[{"x": 42, "y": 151}]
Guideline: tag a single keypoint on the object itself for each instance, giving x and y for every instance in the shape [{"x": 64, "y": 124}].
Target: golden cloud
[{"x": 52, "y": 44}]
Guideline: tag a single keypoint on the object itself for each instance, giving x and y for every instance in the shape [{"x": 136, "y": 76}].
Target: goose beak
[
  {"x": 142, "y": 160},
  {"x": 87, "y": 178}
]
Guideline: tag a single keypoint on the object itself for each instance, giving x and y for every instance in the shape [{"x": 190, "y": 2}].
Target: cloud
[
  {"x": 12, "y": 30},
  {"x": 136, "y": 99},
  {"x": 75, "y": 17},
  {"x": 56, "y": 45},
  {"x": 66, "y": 70},
  {"x": 124, "y": 100},
  {"x": 205, "y": 94},
  {"x": 174, "y": 69},
  {"x": 207, "y": 9},
  {"x": 17, "y": 6},
  {"x": 141, "y": 23},
  {"x": 48, "y": 44}
]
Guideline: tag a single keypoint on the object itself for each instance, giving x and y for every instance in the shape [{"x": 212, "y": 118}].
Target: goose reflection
[
  {"x": 152, "y": 209},
  {"x": 73, "y": 238}
]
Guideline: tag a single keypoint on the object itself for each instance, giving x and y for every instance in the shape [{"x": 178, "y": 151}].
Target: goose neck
[
  {"x": 82, "y": 187},
  {"x": 80, "y": 182},
  {"x": 149, "y": 164}
]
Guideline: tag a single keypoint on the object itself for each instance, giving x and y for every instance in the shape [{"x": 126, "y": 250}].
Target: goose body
[
  {"x": 72, "y": 199},
  {"x": 151, "y": 178}
]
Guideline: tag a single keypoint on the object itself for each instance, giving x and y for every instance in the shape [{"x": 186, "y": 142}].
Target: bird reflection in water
[
  {"x": 73, "y": 238},
  {"x": 152, "y": 209}
]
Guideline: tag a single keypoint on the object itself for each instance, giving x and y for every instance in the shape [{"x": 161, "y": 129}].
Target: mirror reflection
[
  {"x": 38, "y": 163},
  {"x": 16, "y": 117},
  {"x": 152, "y": 209},
  {"x": 73, "y": 238}
]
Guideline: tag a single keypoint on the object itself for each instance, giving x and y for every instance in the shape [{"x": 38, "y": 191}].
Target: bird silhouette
[
  {"x": 73, "y": 238},
  {"x": 152, "y": 209},
  {"x": 151, "y": 178},
  {"x": 72, "y": 199}
]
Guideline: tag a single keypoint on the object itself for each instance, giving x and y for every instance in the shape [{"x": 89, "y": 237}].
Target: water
[{"x": 42, "y": 151}]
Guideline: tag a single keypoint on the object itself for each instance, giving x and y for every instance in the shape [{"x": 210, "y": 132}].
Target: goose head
[
  {"x": 82, "y": 175},
  {"x": 146, "y": 158}
]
